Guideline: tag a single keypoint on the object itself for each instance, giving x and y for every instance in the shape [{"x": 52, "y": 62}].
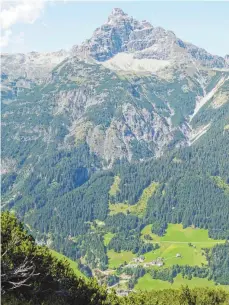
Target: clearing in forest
[
  {"x": 107, "y": 238},
  {"x": 187, "y": 243},
  {"x": 181, "y": 246},
  {"x": 115, "y": 186},
  {"x": 138, "y": 208}
]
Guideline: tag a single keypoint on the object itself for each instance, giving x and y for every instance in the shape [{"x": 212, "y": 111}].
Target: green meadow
[
  {"x": 72, "y": 264},
  {"x": 176, "y": 233},
  {"x": 189, "y": 256},
  {"x": 115, "y": 186},
  {"x": 147, "y": 283},
  {"x": 115, "y": 208},
  {"x": 187, "y": 242},
  {"x": 176, "y": 241},
  {"x": 115, "y": 259}
]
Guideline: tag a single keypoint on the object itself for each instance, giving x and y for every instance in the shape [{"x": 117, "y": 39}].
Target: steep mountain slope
[
  {"x": 135, "y": 105},
  {"x": 134, "y": 117},
  {"x": 138, "y": 111}
]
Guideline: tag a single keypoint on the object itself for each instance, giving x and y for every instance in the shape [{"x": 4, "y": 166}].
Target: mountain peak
[
  {"x": 118, "y": 12},
  {"x": 124, "y": 34},
  {"x": 118, "y": 15}
]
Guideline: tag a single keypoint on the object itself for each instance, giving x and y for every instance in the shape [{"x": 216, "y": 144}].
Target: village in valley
[
  {"x": 140, "y": 261},
  {"x": 158, "y": 262},
  {"x": 128, "y": 272},
  {"x": 122, "y": 280}
]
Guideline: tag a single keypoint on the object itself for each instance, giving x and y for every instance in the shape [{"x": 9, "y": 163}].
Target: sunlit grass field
[
  {"x": 116, "y": 259},
  {"x": 176, "y": 241},
  {"x": 72, "y": 264},
  {"x": 107, "y": 238},
  {"x": 147, "y": 283}
]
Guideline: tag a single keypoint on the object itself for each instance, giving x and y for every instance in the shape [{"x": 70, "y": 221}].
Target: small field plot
[
  {"x": 147, "y": 283},
  {"x": 115, "y": 186},
  {"x": 176, "y": 232},
  {"x": 116, "y": 259}
]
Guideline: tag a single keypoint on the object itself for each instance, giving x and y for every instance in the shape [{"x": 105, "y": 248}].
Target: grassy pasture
[
  {"x": 147, "y": 283},
  {"x": 116, "y": 259},
  {"x": 176, "y": 240}
]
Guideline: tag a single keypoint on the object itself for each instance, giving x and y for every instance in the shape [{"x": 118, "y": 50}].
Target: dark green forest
[{"x": 70, "y": 192}]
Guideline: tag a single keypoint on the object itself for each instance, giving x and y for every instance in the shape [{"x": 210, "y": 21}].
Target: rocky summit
[{"x": 122, "y": 33}]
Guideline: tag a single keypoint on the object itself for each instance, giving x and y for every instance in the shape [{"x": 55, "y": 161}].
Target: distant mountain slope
[
  {"x": 33, "y": 65},
  {"x": 138, "y": 111},
  {"x": 129, "y": 116}
]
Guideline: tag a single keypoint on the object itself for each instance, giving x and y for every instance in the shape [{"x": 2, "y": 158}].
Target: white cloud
[
  {"x": 5, "y": 38},
  {"x": 23, "y": 11}
]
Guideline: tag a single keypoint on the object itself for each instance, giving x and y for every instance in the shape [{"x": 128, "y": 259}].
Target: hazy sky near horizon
[{"x": 38, "y": 25}]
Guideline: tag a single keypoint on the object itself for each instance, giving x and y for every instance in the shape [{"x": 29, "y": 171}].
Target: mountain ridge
[{"x": 120, "y": 34}]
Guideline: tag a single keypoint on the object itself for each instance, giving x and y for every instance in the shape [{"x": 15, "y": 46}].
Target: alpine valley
[{"x": 115, "y": 154}]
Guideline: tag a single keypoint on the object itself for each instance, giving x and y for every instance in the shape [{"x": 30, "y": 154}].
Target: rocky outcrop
[
  {"x": 227, "y": 59},
  {"x": 122, "y": 33},
  {"x": 33, "y": 65}
]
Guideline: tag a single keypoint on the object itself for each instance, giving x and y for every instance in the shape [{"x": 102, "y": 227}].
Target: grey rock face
[
  {"x": 110, "y": 38},
  {"x": 32, "y": 65},
  {"x": 227, "y": 59},
  {"x": 122, "y": 33}
]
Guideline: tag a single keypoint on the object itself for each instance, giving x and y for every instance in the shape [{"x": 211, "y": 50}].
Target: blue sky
[{"x": 63, "y": 24}]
